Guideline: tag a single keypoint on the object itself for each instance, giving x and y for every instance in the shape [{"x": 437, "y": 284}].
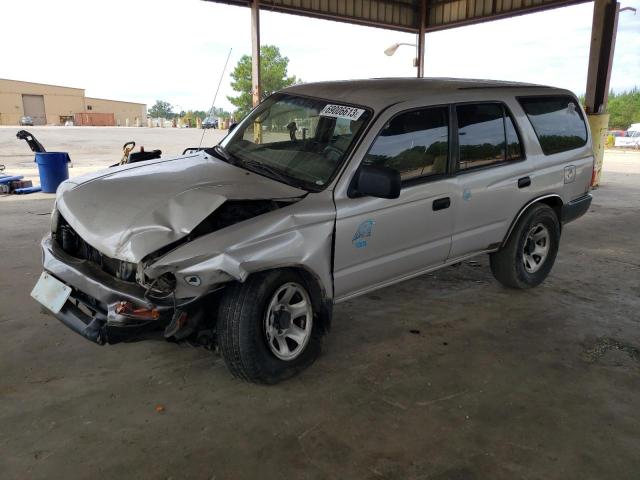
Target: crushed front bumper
[{"x": 92, "y": 308}]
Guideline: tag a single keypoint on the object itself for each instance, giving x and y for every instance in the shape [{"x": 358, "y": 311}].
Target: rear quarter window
[{"x": 557, "y": 121}]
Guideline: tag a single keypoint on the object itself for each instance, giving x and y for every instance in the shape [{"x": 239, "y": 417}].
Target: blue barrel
[{"x": 53, "y": 169}]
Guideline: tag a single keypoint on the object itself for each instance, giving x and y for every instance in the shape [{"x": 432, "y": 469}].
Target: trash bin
[{"x": 53, "y": 169}]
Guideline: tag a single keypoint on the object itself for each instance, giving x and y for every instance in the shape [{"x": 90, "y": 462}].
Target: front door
[{"x": 380, "y": 241}]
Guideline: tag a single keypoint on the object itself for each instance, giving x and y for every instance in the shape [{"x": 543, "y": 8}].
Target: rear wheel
[
  {"x": 529, "y": 254},
  {"x": 267, "y": 327}
]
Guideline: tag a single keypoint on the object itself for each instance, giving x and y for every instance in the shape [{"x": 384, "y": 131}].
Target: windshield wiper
[
  {"x": 254, "y": 165},
  {"x": 222, "y": 154}
]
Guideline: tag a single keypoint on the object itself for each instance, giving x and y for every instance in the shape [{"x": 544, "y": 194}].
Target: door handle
[
  {"x": 441, "y": 203},
  {"x": 524, "y": 182}
]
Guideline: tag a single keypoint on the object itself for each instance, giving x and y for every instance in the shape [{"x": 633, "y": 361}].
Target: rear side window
[
  {"x": 557, "y": 121},
  {"x": 486, "y": 135},
  {"x": 414, "y": 143}
]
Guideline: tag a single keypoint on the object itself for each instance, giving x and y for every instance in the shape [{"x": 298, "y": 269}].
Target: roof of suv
[{"x": 379, "y": 93}]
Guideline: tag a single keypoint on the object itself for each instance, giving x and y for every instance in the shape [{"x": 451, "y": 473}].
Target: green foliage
[
  {"x": 220, "y": 113},
  {"x": 273, "y": 76},
  {"x": 161, "y": 109},
  {"x": 624, "y": 109},
  {"x": 560, "y": 143},
  {"x": 191, "y": 118}
]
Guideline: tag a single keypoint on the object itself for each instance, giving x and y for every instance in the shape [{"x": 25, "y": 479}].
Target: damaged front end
[
  {"x": 101, "y": 307},
  {"x": 106, "y": 304},
  {"x": 115, "y": 300},
  {"x": 148, "y": 247}
]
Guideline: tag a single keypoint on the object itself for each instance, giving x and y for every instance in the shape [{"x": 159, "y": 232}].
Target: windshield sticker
[
  {"x": 364, "y": 231},
  {"x": 341, "y": 111}
]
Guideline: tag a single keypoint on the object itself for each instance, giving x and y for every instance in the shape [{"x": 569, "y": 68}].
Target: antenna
[{"x": 216, "y": 94}]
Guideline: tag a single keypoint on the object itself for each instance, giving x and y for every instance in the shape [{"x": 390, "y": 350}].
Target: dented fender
[
  {"x": 129, "y": 212},
  {"x": 299, "y": 235}
]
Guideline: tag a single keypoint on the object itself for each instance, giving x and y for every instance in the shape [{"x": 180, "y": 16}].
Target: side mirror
[
  {"x": 375, "y": 181},
  {"x": 233, "y": 126}
]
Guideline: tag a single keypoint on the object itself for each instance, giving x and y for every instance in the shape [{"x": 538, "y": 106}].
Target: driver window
[{"x": 414, "y": 143}]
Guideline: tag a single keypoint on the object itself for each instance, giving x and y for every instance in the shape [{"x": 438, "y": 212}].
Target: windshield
[{"x": 297, "y": 140}]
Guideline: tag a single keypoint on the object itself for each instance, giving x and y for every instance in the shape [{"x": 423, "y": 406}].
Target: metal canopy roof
[{"x": 405, "y": 15}]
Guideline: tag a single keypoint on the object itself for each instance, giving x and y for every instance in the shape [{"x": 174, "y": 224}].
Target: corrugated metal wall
[
  {"x": 448, "y": 13},
  {"x": 394, "y": 14},
  {"x": 405, "y": 14},
  {"x": 401, "y": 14}
]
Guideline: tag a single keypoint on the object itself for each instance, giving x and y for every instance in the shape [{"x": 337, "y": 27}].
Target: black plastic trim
[
  {"x": 91, "y": 328},
  {"x": 576, "y": 208},
  {"x": 524, "y": 182}
]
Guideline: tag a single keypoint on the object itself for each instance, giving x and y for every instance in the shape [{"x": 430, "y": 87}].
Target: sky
[{"x": 174, "y": 50}]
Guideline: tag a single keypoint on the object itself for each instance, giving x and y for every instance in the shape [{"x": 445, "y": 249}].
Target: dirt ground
[{"x": 447, "y": 376}]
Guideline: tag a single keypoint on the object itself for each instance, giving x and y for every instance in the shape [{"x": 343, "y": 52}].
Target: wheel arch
[
  {"x": 322, "y": 303},
  {"x": 553, "y": 200}
]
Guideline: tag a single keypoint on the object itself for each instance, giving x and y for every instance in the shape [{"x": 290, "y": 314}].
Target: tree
[
  {"x": 273, "y": 77},
  {"x": 220, "y": 112},
  {"x": 623, "y": 108},
  {"x": 161, "y": 109}
]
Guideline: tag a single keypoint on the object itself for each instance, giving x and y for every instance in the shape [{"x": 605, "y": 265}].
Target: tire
[
  {"x": 243, "y": 328},
  {"x": 520, "y": 263}
]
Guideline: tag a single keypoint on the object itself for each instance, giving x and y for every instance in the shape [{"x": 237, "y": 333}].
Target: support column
[
  {"x": 255, "y": 52},
  {"x": 603, "y": 41},
  {"x": 421, "y": 38}
]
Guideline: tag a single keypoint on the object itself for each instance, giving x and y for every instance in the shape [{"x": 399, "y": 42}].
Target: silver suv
[{"x": 323, "y": 193}]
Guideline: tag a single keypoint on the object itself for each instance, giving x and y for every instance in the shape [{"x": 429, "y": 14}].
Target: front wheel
[
  {"x": 529, "y": 254},
  {"x": 267, "y": 327}
]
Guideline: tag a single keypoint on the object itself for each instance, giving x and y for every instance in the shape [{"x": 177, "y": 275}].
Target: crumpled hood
[{"x": 130, "y": 211}]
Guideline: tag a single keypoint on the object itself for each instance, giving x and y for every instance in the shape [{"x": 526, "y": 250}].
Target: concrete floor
[{"x": 448, "y": 376}]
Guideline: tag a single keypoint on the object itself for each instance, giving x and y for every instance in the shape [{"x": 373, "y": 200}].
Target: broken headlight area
[
  {"x": 161, "y": 287},
  {"x": 72, "y": 244},
  {"x": 236, "y": 211},
  {"x": 55, "y": 218},
  {"x": 229, "y": 213}
]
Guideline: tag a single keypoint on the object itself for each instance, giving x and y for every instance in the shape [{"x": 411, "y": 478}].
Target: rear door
[
  {"x": 379, "y": 241},
  {"x": 493, "y": 178},
  {"x": 33, "y": 106}
]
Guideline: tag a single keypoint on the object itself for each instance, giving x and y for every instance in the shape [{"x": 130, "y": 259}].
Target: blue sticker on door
[{"x": 364, "y": 231}]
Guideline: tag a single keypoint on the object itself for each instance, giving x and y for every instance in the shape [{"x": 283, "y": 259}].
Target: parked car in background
[
  {"x": 616, "y": 133},
  {"x": 26, "y": 121},
  {"x": 631, "y": 137},
  {"x": 210, "y": 122},
  {"x": 250, "y": 243}
]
